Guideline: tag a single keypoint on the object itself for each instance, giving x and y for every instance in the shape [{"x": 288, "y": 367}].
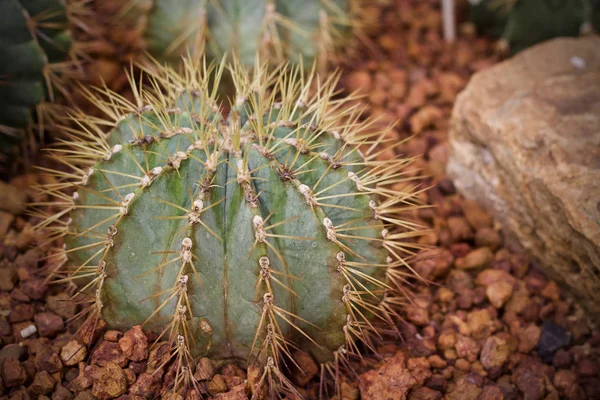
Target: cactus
[
  {"x": 34, "y": 46},
  {"x": 243, "y": 237},
  {"x": 279, "y": 30},
  {"x": 524, "y": 23}
]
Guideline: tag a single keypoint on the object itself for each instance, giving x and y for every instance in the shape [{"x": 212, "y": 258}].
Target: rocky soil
[{"x": 488, "y": 325}]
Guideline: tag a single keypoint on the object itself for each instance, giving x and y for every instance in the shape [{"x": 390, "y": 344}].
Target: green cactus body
[
  {"x": 524, "y": 23},
  {"x": 279, "y": 30},
  {"x": 236, "y": 237},
  {"x": 34, "y": 41}
]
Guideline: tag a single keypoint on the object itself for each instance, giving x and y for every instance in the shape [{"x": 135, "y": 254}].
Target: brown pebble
[
  {"x": 109, "y": 382},
  {"x": 495, "y": 352},
  {"x": 498, "y": 293},
  {"x": 146, "y": 385},
  {"x": 107, "y": 352},
  {"x": 217, "y": 385},
  {"x": 205, "y": 369},
  {"x": 49, "y": 324},
  {"x": 13, "y": 373},
  {"x": 73, "y": 353},
  {"x": 134, "y": 344},
  {"x": 308, "y": 368},
  {"x": 425, "y": 393},
  {"x": 477, "y": 258},
  {"x": 42, "y": 383}
]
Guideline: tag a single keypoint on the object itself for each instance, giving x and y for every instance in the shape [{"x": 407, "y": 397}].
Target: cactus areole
[{"x": 244, "y": 237}]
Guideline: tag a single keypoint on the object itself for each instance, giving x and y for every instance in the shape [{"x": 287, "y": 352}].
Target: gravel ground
[{"x": 488, "y": 325}]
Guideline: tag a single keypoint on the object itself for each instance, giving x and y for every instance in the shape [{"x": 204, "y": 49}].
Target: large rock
[{"x": 525, "y": 143}]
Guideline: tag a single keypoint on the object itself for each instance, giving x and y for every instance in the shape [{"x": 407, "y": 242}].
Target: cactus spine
[{"x": 240, "y": 238}]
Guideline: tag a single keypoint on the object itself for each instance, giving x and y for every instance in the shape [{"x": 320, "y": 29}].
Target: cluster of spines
[{"x": 320, "y": 114}]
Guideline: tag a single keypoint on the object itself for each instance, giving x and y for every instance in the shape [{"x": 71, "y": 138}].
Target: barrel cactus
[
  {"x": 524, "y": 23},
  {"x": 243, "y": 237},
  {"x": 34, "y": 46},
  {"x": 280, "y": 30}
]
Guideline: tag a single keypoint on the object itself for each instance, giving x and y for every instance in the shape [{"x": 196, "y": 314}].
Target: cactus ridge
[{"x": 244, "y": 237}]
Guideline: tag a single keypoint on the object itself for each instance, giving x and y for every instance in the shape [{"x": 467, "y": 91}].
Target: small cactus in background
[
  {"x": 278, "y": 30},
  {"x": 243, "y": 237},
  {"x": 524, "y": 23},
  {"x": 34, "y": 48}
]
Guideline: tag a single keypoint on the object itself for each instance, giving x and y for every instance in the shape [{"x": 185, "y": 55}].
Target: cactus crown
[{"x": 243, "y": 237}]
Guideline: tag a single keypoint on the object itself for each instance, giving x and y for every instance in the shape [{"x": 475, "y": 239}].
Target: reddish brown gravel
[{"x": 489, "y": 325}]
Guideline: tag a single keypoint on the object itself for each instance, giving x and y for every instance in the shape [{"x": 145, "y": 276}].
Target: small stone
[
  {"x": 491, "y": 393},
  {"x": 6, "y": 220},
  {"x": 8, "y": 278},
  {"x": 494, "y": 353},
  {"x": 416, "y": 314},
  {"x": 47, "y": 360},
  {"x": 562, "y": 359},
  {"x": 476, "y": 216},
  {"x": 217, "y": 385},
  {"x": 437, "y": 362},
  {"x": 424, "y": 393},
  {"x": 34, "y": 288},
  {"x": 62, "y": 305},
  {"x": 390, "y": 381},
  {"x": 13, "y": 373},
  {"x": 109, "y": 382},
  {"x": 108, "y": 352},
  {"x": 42, "y": 383},
  {"x": 237, "y": 392},
  {"x": 488, "y": 237},
  {"x": 462, "y": 365},
  {"x": 530, "y": 381},
  {"x": 85, "y": 395},
  {"x": 112, "y": 335},
  {"x": 14, "y": 352},
  {"x": 48, "y": 324},
  {"x": 477, "y": 258},
  {"x": 551, "y": 291},
  {"x": 134, "y": 344},
  {"x": 587, "y": 368},
  {"x": 529, "y": 336},
  {"x": 446, "y": 340},
  {"x": 565, "y": 380},
  {"x": 464, "y": 390},
  {"x": 233, "y": 374},
  {"x": 21, "y": 312},
  {"x": 85, "y": 379},
  {"x": 205, "y": 369},
  {"x": 73, "y": 353},
  {"x": 62, "y": 393},
  {"x": 499, "y": 293},
  {"x": 308, "y": 368},
  {"x": 467, "y": 348},
  {"x": 553, "y": 337},
  {"x": 480, "y": 323},
  {"x": 459, "y": 229},
  {"x": 147, "y": 385},
  {"x": 359, "y": 81},
  {"x": 489, "y": 276}
]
